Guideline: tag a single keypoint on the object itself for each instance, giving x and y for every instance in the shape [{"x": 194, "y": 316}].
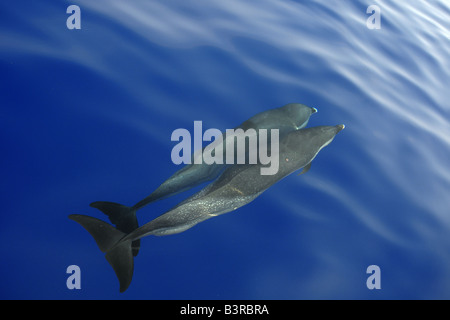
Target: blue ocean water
[{"x": 87, "y": 115}]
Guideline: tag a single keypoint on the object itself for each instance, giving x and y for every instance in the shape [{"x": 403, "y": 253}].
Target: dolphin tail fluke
[
  {"x": 121, "y": 259},
  {"x": 118, "y": 253},
  {"x": 123, "y": 217}
]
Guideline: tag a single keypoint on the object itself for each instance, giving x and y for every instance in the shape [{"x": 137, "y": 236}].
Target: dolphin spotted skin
[
  {"x": 236, "y": 187},
  {"x": 290, "y": 117}
]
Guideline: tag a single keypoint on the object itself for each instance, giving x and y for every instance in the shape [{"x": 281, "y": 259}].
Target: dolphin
[
  {"x": 290, "y": 117},
  {"x": 236, "y": 187}
]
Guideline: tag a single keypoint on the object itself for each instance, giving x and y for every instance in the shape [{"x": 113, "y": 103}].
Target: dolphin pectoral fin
[
  {"x": 305, "y": 169},
  {"x": 123, "y": 217}
]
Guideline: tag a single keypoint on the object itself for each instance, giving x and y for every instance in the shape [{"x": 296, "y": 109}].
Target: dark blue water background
[{"x": 87, "y": 115}]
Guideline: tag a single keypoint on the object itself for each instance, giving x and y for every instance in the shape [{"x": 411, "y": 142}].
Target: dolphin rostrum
[
  {"x": 236, "y": 187},
  {"x": 290, "y": 117}
]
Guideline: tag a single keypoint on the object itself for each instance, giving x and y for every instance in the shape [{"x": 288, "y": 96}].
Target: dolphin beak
[{"x": 340, "y": 127}]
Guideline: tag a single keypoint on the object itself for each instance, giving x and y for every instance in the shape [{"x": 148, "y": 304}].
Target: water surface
[{"x": 87, "y": 115}]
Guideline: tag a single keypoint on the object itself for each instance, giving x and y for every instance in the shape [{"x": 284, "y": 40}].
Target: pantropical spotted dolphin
[
  {"x": 290, "y": 117},
  {"x": 236, "y": 187}
]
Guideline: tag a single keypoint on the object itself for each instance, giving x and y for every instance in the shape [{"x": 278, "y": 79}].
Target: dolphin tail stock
[
  {"x": 118, "y": 253},
  {"x": 123, "y": 217}
]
